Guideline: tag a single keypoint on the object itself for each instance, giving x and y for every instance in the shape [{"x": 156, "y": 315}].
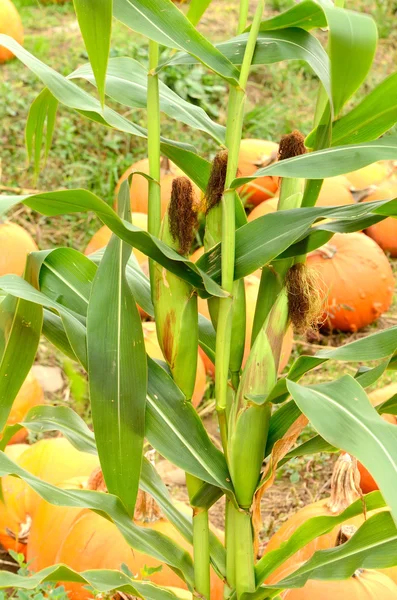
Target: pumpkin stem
[
  {"x": 345, "y": 484},
  {"x": 327, "y": 251},
  {"x": 216, "y": 182},
  {"x": 24, "y": 530},
  {"x": 146, "y": 508},
  {"x": 165, "y": 164},
  {"x": 346, "y": 532}
]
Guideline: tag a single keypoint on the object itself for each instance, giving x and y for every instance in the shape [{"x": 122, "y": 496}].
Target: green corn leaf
[
  {"x": 376, "y": 346},
  {"x": 342, "y": 414},
  {"x": 311, "y": 529},
  {"x": 104, "y": 581},
  {"x": 262, "y": 240},
  {"x": 72, "y": 323},
  {"x": 163, "y": 22},
  {"x": 272, "y": 47},
  {"x": 306, "y": 15},
  {"x": 329, "y": 162},
  {"x": 42, "y": 110},
  {"x": 388, "y": 407},
  {"x": 373, "y": 546},
  {"x": 350, "y": 34},
  {"x": 62, "y": 418},
  {"x": 313, "y": 446},
  {"x": 95, "y": 22},
  {"x": 55, "y": 333},
  {"x": 126, "y": 82},
  {"x": 353, "y": 35},
  {"x": 20, "y": 328},
  {"x": 375, "y": 115},
  {"x": 281, "y": 420},
  {"x": 70, "y": 201},
  {"x": 117, "y": 369},
  {"x": 142, "y": 539},
  {"x": 174, "y": 428},
  {"x": 196, "y": 10}
]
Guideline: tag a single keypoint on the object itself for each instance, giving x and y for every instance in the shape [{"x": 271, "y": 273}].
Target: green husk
[
  {"x": 250, "y": 416},
  {"x": 175, "y": 301}
]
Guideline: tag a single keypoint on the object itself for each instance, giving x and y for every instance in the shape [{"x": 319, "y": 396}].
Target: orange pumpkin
[
  {"x": 102, "y": 237},
  {"x": 369, "y": 175},
  {"x": 53, "y": 460},
  {"x": 154, "y": 351},
  {"x": 10, "y": 24},
  {"x": 365, "y": 583},
  {"x": 385, "y": 232},
  {"x": 357, "y": 280},
  {"x": 335, "y": 192},
  {"x": 251, "y": 293},
  {"x": 31, "y": 394},
  {"x": 84, "y": 540},
  {"x": 264, "y": 208},
  {"x": 255, "y": 154},
  {"x": 15, "y": 244},
  {"x": 12, "y": 535},
  {"x": 42, "y": 549},
  {"x": 139, "y": 185}
]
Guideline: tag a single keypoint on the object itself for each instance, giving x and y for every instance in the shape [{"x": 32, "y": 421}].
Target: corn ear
[
  {"x": 250, "y": 415},
  {"x": 176, "y": 315}
]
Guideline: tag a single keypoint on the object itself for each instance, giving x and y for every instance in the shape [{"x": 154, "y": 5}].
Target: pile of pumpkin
[{"x": 77, "y": 537}]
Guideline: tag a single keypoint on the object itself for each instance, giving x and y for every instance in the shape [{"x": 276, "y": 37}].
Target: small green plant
[{"x": 41, "y": 592}]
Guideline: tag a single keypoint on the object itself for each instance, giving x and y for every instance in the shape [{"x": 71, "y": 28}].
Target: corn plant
[{"x": 87, "y": 307}]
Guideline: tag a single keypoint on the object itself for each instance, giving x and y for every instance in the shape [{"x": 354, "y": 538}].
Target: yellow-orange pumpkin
[
  {"x": 357, "y": 280},
  {"x": 101, "y": 238},
  {"x": 10, "y": 24},
  {"x": 255, "y": 154},
  {"x": 53, "y": 460},
  {"x": 154, "y": 351},
  {"x": 369, "y": 175},
  {"x": 385, "y": 232},
  {"x": 139, "y": 185},
  {"x": 42, "y": 549},
  {"x": 84, "y": 540},
  {"x": 368, "y": 584},
  {"x": 12, "y": 535},
  {"x": 15, "y": 244},
  {"x": 264, "y": 208},
  {"x": 31, "y": 394}
]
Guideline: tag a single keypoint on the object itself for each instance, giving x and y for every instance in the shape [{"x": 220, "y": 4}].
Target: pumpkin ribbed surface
[{"x": 357, "y": 280}]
